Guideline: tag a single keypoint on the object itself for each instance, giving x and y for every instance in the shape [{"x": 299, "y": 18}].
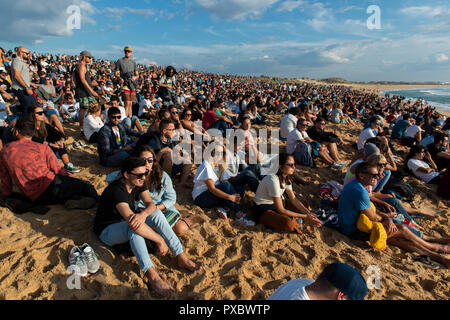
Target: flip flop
[{"x": 426, "y": 260}]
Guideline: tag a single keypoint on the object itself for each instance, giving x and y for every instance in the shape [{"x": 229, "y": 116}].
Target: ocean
[{"x": 438, "y": 97}]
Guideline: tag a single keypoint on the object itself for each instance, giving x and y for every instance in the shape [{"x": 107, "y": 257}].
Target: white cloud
[
  {"x": 29, "y": 22},
  {"x": 117, "y": 13},
  {"x": 426, "y": 11},
  {"x": 234, "y": 9},
  {"x": 290, "y": 5},
  {"x": 441, "y": 57}
]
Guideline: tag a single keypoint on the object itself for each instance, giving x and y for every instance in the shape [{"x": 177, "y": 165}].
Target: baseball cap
[
  {"x": 128, "y": 48},
  {"x": 346, "y": 279},
  {"x": 370, "y": 148},
  {"x": 86, "y": 53}
]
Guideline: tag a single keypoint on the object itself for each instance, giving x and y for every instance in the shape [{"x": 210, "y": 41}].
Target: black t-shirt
[
  {"x": 114, "y": 194},
  {"x": 433, "y": 151}
]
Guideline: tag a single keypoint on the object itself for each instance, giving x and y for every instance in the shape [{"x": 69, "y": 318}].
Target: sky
[{"x": 284, "y": 38}]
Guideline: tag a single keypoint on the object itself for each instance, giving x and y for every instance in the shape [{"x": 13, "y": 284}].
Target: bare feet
[
  {"x": 185, "y": 263},
  {"x": 157, "y": 284}
]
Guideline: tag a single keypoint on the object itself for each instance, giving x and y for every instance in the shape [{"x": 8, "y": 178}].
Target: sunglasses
[
  {"x": 40, "y": 113},
  {"x": 382, "y": 164},
  {"x": 149, "y": 159},
  {"x": 372, "y": 175},
  {"x": 292, "y": 165},
  {"x": 128, "y": 51},
  {"x": 139, "y": 175},
  {"x": 173, "y": 112},
  {"x": 189, "y": 114},
  {"x": 116, "y": 117}
]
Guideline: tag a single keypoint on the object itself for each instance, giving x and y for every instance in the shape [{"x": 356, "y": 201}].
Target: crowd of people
[{"x": 138, "y": 116}]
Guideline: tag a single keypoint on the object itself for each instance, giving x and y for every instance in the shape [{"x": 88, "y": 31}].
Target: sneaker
[
  {"x": 83, "y": 203},
  {"x": 76, "y": 259},
  {"x": 76, "y": 145},
  {"x": 335, "y": 165},
  {"x": 82, "y": 144},
  {"x": 90, "y": 258},
  {"x": 243, "y": 220},
  {"x": 223, "y": 213},
  {"x": 71, "y": 168}
]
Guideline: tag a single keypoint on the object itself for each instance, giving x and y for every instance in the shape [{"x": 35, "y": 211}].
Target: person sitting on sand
[
  {"x": 427, "y": 172},
  {"x": 92, "y": 123},
  {"x": 162, "y": 193},
  {"x": 329, "y": 139},
  {"x": 113, "y": 143},
  {"x": 355, "y": 200},
  {"x": 413, "y": 134},
  {"x": 299, "y": 135},
  {"x": 118, "y": 221},
  {"x": 163, "y": 113},
  {"x": 288, "y": 122},
  {"x": 400, "y": 127},
  {"x": 439, "y": 150},
  {"x": 272, "y": 188},
  {"x": 48, "y": 134},
  {"x": 211, "y": 189},
  {"x": 337, "y": 281},
  {"x": 163, "y": 145},
  {"x": 375, "y": 123},
  {"x": 34, "y": 169}
]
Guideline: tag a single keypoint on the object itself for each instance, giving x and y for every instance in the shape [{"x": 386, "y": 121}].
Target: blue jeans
[
  {"x": 130, "y": 122},
  {"x": 220, "y": 125},
  {"x": 246, "y": 178},
  {"x": 119, "y": 233},
  {"x": 382, "y": 182},
  {"x": 208, "y": 200},
  {"x": 400, "y": 210},
  {"x": 116, "y": 159},
  {"x": 25, "y": 100}
]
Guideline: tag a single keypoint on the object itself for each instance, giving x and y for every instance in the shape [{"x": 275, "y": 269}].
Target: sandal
[{"x": 426, "y": 260}]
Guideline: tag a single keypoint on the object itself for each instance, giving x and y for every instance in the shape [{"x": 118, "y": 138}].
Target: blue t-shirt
[{"x": 354, "y": 198}]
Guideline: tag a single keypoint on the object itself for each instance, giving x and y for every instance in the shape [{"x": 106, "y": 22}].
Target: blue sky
[{"x": 288, "y": 38}]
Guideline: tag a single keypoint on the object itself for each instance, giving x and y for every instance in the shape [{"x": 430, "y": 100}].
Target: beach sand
[{"x": 238, "y": 262}]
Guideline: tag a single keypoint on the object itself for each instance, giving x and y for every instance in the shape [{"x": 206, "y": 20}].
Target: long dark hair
[
  {"x": 42, "y": 131},
  {"x": 154, "y": 178},
  {"x": 282, "y": 161},
  {"x": 414, "y": 150}
]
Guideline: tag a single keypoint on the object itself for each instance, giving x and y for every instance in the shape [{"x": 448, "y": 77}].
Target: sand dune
[{"x": 239, "y": 262}]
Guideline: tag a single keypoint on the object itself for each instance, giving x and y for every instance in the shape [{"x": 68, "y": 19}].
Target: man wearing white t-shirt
[
  {"x": 296, "y": 136},
  {"x": 338, "y": 281},
  {"x": 288, "y": 122},
  {"x": 369, "y": 132},
  {"x": 413, "y": 134}
]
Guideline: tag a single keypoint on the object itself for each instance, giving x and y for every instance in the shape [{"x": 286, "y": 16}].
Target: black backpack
[{"x": 400, "y": 189}]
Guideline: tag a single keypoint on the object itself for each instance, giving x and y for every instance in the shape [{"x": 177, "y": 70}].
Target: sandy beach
[{"x": 239, "y": 262}]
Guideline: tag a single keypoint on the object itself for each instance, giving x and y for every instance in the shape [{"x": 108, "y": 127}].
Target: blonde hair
[
  {"x": 93, "y": 107},
  {"x": 376, "y": 158}
]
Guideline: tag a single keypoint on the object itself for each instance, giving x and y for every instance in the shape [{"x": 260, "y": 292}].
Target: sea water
[{"x": 437, "y": 97}]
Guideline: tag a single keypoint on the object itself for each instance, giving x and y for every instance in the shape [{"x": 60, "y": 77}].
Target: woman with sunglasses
[
  {"x": 272, "y": 190},
  {"x": 162, "y": 192},
  {"x": 428, "y": 172},
  {"x": 188, "y": 124},
  {"x": 46, "y": 133}
]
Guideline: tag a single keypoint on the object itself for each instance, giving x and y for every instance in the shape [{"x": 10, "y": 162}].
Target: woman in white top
[
  {"x": 92, "y": 123},
  {"x": 212, "y": 189},
  {"x": 273, "y": 187},
  {"x": 428, "y": 173}
]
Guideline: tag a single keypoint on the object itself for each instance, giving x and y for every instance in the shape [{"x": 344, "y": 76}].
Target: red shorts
[{"x": 128, "y": 95}]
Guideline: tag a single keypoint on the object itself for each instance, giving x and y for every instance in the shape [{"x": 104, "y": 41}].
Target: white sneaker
[
  {"x": 90, "y": 258},
  {"x": 223, "y": 213},
  {"x": 76, "y": 259},
  {"x": 245, "y": 221}
]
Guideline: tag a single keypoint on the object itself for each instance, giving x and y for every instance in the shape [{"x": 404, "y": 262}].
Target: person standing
[
  {"x": 84, "y": 92},
  {"x": 129, "y": 74},
  {"x": 21, "y": 80}
]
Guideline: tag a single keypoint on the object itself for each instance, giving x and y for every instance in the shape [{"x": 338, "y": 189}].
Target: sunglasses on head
[{"x": 139, "y": 175}]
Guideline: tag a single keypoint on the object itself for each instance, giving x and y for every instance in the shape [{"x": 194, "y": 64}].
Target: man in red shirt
[
  {"x": 34, "y": 169},
  {"x": 213, "y": 119}
]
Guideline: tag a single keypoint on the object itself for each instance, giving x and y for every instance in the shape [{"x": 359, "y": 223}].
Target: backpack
[
  {"x": 302, "y": 155},
  {"x": 400, "y": 189}
]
